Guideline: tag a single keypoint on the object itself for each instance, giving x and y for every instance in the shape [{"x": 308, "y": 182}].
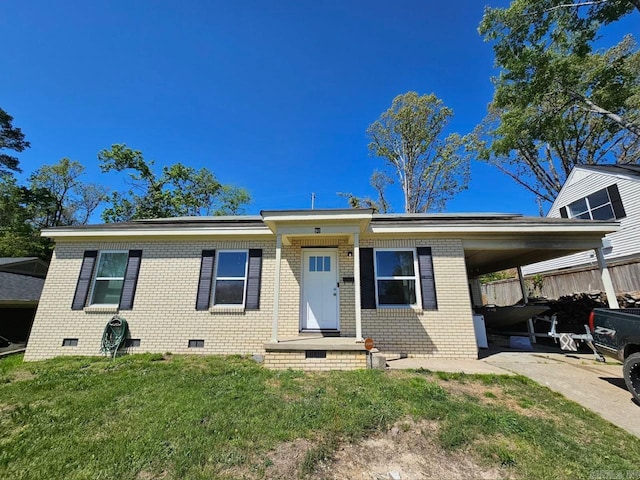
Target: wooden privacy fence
[{"x": 625, "y": 277}]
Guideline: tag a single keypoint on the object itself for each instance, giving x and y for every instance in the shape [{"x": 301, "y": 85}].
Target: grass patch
[{"x": 195, "y": 417}]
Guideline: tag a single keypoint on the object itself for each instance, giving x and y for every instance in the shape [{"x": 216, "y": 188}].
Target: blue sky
[{"x": 274, "y": 96}]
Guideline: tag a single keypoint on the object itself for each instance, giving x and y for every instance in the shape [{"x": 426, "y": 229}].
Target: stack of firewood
[
  {"x": 572, "y": 311},
  {"x": 629, "y": 300}
]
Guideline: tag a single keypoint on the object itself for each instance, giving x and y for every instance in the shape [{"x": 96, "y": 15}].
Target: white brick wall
[
  {"x": 164, "y": 316},
  {"x": 446, "y": 332}
]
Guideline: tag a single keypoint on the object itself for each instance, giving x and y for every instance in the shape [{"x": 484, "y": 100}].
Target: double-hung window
[
  {"x": 109, "y": 277},
  {"x": 230, "y": 283},
  {"x": 396, "y": 278},
  {"x": 597, "y": 206}
]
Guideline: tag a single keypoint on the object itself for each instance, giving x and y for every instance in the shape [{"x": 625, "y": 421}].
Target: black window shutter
[
  {"x": 367, "y": 279},
  {"x": 84, "y": 280},
  {"x": 427, "y": 280},
  {"x": 616, "y": 201},
  {"x": 130, "y": 280},
  {"x": 206, "y": 279},
  {"x": 563, "y": 212},
  {"x": 253, "y": 279}
]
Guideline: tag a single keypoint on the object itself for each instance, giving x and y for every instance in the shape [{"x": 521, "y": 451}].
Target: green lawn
[{"x": 197, "y": 417}]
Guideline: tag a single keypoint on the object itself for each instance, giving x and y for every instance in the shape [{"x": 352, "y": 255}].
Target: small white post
[
  {"x": 276, "y": 289},
  {"x": 523, "y": 287},
  {"x": 356, "y": 285},
  {"x": 606, "y": 279}
]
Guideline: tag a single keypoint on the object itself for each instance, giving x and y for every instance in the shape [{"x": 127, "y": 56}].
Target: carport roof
[{"x": 18, "y": 288}]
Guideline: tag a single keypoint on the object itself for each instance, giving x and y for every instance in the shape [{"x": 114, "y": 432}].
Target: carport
[
  {"x": 21, "y": 282},
  {"x": 514, "y": 241}
]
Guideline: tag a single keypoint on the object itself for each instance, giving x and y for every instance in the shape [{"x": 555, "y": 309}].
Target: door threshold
[{"x": 323, "y": 333}]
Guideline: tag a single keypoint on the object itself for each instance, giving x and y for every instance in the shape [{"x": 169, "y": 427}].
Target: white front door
[{"x": 320, "y": 294}]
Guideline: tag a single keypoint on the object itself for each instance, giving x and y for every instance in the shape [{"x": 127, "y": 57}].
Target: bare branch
[
  {"x": 569, "y": 5},
  {"x": 631, "y": 127}
]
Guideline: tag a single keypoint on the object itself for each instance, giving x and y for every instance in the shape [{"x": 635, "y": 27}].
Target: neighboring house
[
  {"x": 21, "y": 282},
  {"x": 300, "y": 288},
  {"x": 599, "y": 192}
]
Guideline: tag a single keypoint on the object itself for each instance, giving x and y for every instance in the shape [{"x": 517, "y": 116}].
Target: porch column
[
  {"x": 276, "y": 289},
  {"x": 606, "y": 279},
  {"x": 356, "y": 284},
  {"x": 523, "y": 287}
]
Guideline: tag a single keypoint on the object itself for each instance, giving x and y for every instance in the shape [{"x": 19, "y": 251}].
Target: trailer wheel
[{"x": 631, "y": 372}]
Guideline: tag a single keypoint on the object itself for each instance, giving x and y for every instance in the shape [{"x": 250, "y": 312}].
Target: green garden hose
[{"x": 114, "y": 335}]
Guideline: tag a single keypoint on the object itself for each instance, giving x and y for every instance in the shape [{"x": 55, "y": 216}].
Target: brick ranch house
[{"x": 300, "y": 288}]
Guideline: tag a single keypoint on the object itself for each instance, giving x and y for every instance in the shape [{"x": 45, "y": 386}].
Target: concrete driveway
[
  {"x": 597, "y": 386},
  {"x": 577, "y": 376}
]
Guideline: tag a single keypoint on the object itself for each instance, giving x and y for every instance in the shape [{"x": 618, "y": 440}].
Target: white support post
[
  {"x": 606, "y": 279},
  {"x": 356, "y": 284},
  {"x": 523, "y": 287},
  {"x": 276, "y": 290}
]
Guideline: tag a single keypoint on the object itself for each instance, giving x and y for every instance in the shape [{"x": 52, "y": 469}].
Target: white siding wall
[{"x": 624, "y": 242}]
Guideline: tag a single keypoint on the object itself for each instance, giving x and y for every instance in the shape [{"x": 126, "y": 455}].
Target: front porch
[{"x": 316, "y": 352}]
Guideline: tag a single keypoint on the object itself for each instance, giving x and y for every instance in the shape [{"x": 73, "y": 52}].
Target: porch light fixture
[{"x": 349, "y": 254}]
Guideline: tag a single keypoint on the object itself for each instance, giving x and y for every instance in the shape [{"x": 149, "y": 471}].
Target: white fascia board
[
  {"x": 493, "y": 229},
  {"x": 278, "y": 222},
  {"x": 156, "y": 232}
]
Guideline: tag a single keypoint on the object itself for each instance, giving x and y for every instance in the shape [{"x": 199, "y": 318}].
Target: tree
[
  {"x": 71, "y": 201},
  {"x": 18, "y": 235},
  {"x": 557, "y": 103},
  {"x": 11, "y": 138},
  {"x": 379, "y": 181},
  {"x": 408, "y": 138},
  {"x": 178, "y": 191}
]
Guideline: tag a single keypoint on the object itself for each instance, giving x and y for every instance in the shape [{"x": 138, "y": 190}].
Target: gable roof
[
  {"x": 32, "y": 266},
  {"x": 14, "y": 260},
  {"x": 632, "y": 171}
]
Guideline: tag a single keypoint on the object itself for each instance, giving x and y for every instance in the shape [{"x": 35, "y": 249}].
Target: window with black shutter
[
  {"x": 604, "y": 204},
  {"x": 107, "y": 277},
  {"x": 230, "y": 278},
  {"x": 397, "y": 277}
]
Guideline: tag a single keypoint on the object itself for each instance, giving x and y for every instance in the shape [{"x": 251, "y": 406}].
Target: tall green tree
[
  {"x": 11, "y": 138},
  {"x": 55, "y": 196},
  {"x": 429, "y": 167},
  {"x": 19, "y": 237},
  {"x": 178, "y": 191},
  {"x": 71, "y": 200},
  {"x": 558, "y": 102}
]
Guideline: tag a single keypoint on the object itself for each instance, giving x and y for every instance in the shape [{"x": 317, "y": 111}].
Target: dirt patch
[
  {"x": 22, "y": 375},
  {"x": 145, "y": 475},
  {"x": 409, "y": 450},
  {"x": 286, "y": 460}
]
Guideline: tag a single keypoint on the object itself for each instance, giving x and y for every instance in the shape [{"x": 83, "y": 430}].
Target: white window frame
[
  {"x": 216, "y": 278},
  {"x": 96, "y": 278},
  {"x": 415, "y": 277},
  {"x": 590, "y": 209}
]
